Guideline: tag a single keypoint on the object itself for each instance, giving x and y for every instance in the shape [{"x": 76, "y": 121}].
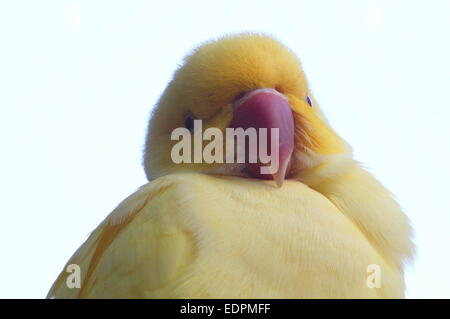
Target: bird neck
[{"x": 367, "y": 203}]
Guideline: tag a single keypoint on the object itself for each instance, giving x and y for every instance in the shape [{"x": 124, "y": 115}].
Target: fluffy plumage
[{"x": 187, "y": 234}]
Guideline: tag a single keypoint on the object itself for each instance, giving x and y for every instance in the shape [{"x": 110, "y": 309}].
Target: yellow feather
[{"x": 201, "y": 236}]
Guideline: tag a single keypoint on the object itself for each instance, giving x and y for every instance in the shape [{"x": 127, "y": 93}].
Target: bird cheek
[{"x": 222, "y": 119}]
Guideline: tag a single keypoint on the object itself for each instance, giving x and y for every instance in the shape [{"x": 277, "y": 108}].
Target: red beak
[{"x": 267, "y": 108}]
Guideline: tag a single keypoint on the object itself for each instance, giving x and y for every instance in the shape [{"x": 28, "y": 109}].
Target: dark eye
[
  {"x": 308, "y": 99},
  {"x": 189, "y": 121}
]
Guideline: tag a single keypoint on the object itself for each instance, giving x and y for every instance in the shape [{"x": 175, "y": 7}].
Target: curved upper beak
[{"x": 267, "y": 109}]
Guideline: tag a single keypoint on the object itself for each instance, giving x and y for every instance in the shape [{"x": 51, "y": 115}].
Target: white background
[{"x": 79, "y": 78}]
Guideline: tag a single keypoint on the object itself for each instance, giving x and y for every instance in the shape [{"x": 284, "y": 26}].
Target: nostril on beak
[
  {"x": 239, "y": 96},
  {"x": 279, "y": 89}
]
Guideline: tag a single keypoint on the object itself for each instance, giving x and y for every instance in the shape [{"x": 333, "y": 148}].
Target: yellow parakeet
[{"x": 224, "y": 230}]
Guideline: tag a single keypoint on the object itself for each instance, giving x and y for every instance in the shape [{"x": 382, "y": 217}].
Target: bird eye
[
  {"x": 189, "y": 121},
  {"x": 308, "y": 99}
]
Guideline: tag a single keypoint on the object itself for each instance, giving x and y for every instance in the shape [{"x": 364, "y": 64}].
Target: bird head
[{"x": 242, "y": 81}]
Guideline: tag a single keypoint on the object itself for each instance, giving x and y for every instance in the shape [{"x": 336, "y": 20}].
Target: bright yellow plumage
[
  {"x": 200, "y": 236},
  {"x": 187, "y": 234}
]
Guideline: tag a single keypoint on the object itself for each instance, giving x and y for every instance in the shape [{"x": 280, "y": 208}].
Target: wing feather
[{"x": 91, "y": 252}]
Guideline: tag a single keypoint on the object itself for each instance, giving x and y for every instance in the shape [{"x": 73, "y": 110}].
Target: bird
[{"x": 313, "y": 228}]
